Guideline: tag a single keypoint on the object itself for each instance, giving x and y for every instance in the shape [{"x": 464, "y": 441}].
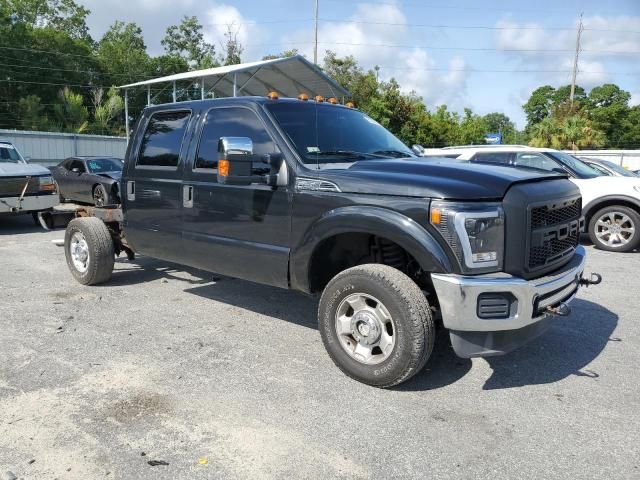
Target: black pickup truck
[{"x": 318, "y": 197}]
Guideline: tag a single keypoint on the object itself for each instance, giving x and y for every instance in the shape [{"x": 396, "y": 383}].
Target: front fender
[
  {"x": 389, "y": 224},
  {"x": 591, "y": 207}
]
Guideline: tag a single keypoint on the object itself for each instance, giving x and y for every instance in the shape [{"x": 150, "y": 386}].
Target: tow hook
[
  {"x": 562, "y": 310},
  {"x": 595, "y": 279}
]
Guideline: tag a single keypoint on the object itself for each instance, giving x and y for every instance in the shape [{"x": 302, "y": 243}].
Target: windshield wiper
[
  {"x": 393, "y": 153},
  {"x": 346, "y": 153}
]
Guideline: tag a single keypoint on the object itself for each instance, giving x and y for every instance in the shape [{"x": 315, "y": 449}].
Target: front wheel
[
  {"x": 100, "y": 196},
  {"x": 376, "y": 325},
  {"x": 88, "y": 248},
  {"x": 615, "y": 229}
]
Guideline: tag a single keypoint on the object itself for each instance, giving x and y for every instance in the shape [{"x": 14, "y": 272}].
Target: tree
[
  {"x": 500, "y": 123},
  {"x": 233, "y": 48},
  {"x": 539, "y": 105},
  {"x": 61, "y": 15},
  {"x": 32, "y": 114},
  {"x": 71, "y": 113},
  {"x": 186, "y": 41},
  {"x": 284, "y": 54},
  {"x": 106, "y": 109},
  {"x": 608, "y": 107}
]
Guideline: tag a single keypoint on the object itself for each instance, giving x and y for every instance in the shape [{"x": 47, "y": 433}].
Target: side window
[
  {"x": 79, "y": 164},
  {"x": 535, "y": 160},
  {"x": 601, "y": 169},
  {"x": 163, "y": 139},
  {"x": 234, "y": 122},
  {"x": 492, "y": 157}
]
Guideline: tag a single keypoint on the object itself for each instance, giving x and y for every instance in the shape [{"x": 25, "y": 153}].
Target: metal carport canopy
[{"x": 287, "y": 76}]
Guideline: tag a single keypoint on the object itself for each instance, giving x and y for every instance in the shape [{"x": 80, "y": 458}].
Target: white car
[
  {"x": 610, "y": 205},
  {"x": 24, "y": 187}
]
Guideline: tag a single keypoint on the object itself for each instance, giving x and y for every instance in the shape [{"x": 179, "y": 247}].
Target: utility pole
[
  {"x": 377, "y": 69},
  {"x": 575, "y": 60},
  {"x": 315, "y": 48}
]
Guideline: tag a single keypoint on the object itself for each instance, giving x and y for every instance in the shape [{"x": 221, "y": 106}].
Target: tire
[
  {"x": 626, "y": 232},
  {"x": 412, "y": 328},
  {"x": 90, "y": 262},
  {"x": 100, "y": 196}
]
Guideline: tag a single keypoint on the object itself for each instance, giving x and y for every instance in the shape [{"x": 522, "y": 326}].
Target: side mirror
[
  {"x": 235, "y": 160},
  {"x": 417, "y": 149},
  {"x": 235, "y": 164},
  {"x": 75, "y": 170}
]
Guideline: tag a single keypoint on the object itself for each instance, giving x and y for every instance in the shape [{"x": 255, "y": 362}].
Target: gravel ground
[{"x": 222, "y": 378}]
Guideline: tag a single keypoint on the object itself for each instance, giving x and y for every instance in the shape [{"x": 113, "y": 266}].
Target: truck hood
[
  {"x": 9, "y": 169},
  {"x": 420, "y": 177}
]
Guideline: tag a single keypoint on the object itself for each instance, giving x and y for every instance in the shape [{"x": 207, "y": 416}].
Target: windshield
[
  {"x": 617, "y": 168},
  {"x": 329, "y": 136},
  {"x": 578, "y": 167},
  {"x": 9, "y": 154},
  {"x": 101, "y": 165}
]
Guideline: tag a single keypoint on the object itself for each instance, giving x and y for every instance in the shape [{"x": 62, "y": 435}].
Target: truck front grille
[
  {"x": 12, "y": 187},
  {"x": 554, "y": 232}
]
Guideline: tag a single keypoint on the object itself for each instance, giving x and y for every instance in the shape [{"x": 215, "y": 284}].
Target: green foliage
[
  {"x": 284, "y": 54},
  {"x": 186, "y": 41},
  {"x": 233, "y": 48},
  {"x": 71, "y": 114},
  {"x": 32, "y": 114},
  {"x": 106, "y": 109},
  {"x": 61, "y": 15}
]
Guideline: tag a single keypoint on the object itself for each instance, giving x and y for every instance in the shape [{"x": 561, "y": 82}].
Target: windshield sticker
[
  {"x": 313, "y": 149},
  {"x": 94, "y": 165}
]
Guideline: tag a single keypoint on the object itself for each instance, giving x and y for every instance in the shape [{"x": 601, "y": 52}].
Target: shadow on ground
[
  {"x": 566, "y": 349},
  {"x": 19, "y": 224}
]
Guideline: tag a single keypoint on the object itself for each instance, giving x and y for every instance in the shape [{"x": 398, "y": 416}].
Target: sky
[{"x": 488, "y": 56}]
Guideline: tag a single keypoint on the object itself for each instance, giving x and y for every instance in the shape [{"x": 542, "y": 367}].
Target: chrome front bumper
[{"x": 528, "y": 317}]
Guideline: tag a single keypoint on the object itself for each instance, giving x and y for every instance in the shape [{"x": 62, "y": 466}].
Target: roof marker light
[
  {"x": 273, "y": 96},
  {"x": 350, "y": 105},
  {"x": 303, "y": 96},
  {"x": 333, "y": 101},
  {"x": 319, "y": 98}
]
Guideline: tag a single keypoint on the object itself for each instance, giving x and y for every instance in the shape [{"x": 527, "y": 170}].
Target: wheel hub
[{"x": 365, "y": 327}]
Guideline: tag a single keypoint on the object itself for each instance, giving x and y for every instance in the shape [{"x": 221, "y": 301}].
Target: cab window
[
  {"x": 234, "y": 122},
  {"x": 162, "y": 139}
]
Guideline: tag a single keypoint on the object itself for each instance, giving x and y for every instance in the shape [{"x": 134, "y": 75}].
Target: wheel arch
[
  {"x": 609, "y": 200},
  {"x": 378, "y": 222}
]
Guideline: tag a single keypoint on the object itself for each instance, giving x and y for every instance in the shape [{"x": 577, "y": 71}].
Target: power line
[{"x": 470, "y": 27}]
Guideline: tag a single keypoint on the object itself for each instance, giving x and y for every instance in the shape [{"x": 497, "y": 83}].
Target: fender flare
[
  {"x": 392, "y": 225},
  {"x": 591, "y": 207}
]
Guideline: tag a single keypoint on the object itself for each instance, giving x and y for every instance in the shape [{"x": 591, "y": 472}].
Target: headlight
[
  {"x": 475, "y": 232},
  {"x": 47, "y": 183}
]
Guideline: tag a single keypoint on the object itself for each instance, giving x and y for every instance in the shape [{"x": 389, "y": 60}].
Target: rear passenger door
[
  {"x": 153, "y": 185},
  {"x": 236, "y": 230}
]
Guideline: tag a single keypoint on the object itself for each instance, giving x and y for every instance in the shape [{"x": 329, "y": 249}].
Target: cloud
[
  {"x": 635, "y": 98},
  {"x": 370, "y": 26},
  {"x": 154, "y": 16},
  {"x": 604, "y": 40},
  {"x": 222, "y": 19}
]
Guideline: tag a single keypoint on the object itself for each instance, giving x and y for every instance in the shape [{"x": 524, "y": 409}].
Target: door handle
[
  {"x": 131, "y": 190},
  {"x": 187, "y": 196}
]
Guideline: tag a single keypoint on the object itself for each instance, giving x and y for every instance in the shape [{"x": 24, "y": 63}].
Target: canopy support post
[
  {"x": 148, "y": 95},
  {"x": 174, "y": 92},
  {"x": 126, "y": 112},
  {"x": 202, "y": 88},
  {"x": 235, "y": 84}
]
